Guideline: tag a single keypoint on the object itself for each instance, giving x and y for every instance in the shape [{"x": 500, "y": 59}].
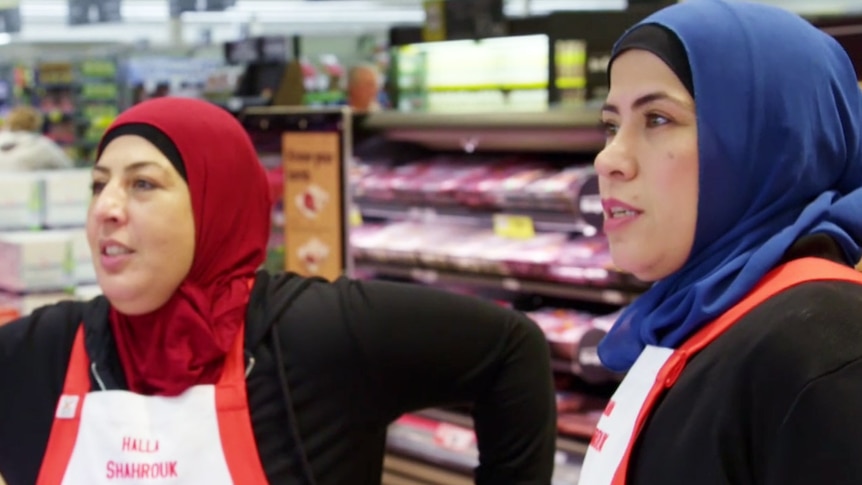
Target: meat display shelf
[
  {"x": 543, "y": 221},
  {"x": 557, "y": 290},
  {"x": 439, "y": 447}
]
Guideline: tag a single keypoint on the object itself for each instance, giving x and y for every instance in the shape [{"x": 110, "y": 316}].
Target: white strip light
[
  {"x": 299, "y": 11},
  {"x": 46, "y": 20}
]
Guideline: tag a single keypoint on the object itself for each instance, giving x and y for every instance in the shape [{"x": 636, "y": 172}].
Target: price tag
[
  {"x": 355, "y": 217},
  {"x": 514, "y": 227}
]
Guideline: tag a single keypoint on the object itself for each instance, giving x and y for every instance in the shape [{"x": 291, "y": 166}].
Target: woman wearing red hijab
[{"x": 197, "y": 368}]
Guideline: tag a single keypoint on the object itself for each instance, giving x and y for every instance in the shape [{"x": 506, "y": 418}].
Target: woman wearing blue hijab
[{"x": 731, "y": 180}]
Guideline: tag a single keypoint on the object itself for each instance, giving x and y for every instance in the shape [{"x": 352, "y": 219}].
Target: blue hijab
[{"x": 779, "y": 119}]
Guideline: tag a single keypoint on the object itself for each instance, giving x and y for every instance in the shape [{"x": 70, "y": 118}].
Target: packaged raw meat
[
  {"x": 532, "y": 258},
  {"x": 363, "y": 241},
  {"x": 356, "y": 175},
  {"x": 576, "y": 402},
  {"x": 405, "y": 181},
  {"x": 584, "y": 260},
  {"x": 484, "y": 190},
  {"x": 397, "y": 243},
  {"x": 439, "y": 187},
  {"x": 559, "y": 191},
  {"x": 563, "y": 328},
  {"x": 442, "y": 254},
  {"x": 474, "y": 255},
  {"x": 581, "y": 425},
  {"x": 565, "y": 337},
  {"x": 378, "y": 183},
  {"x": 510, "y": 187},
  {"x": 436, "y": 250}
]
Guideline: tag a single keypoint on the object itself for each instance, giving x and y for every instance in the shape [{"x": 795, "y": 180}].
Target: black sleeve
[
  {"x": 428, "y": 348},
  {"x": 34, "y": 354},
  {"x": 820, "y": 438}
]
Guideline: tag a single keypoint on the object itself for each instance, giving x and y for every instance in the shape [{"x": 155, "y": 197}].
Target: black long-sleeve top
[
  {"x": 356, "y": 356},
  {"x": 776, "y": 400}
]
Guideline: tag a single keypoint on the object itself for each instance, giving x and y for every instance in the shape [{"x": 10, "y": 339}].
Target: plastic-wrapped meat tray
[
  {"x": 532, "y": 258},
  {"x": 379, "y": 183},
  {"x": 557, "y": 192},
  {"x": 439, "y": 186},
  {"x": 484, "y": 190},
  {"x": 586, "y": 261},
  {"x": 563, "y": 328}
]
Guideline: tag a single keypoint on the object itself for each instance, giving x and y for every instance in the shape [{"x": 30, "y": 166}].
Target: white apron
[{"x": 203, "y": 436}]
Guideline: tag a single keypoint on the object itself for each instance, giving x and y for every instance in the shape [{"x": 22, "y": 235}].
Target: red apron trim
[
  {"x": 234, "y": 420},
  {"x": 784, "y": 277},
  {"x": 64, "y": 432}
]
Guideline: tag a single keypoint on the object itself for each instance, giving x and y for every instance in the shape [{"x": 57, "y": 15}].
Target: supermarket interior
[{"x": 466, "y": 165}]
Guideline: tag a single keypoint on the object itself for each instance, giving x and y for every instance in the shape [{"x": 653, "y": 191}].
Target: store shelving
[
  {"x": 445, "y": 441},
  {"x": 44, "y": 256},
  {"x": 79, "y": 99},
  {"x": 437, "y": 446},
  {"x": 500, "y": 207},
  {"x": 543, "y": 220},
  {"x": 98, "y": 100},
  {"x": 430, "y": 276},
  {"x": 559, "y": 130}
]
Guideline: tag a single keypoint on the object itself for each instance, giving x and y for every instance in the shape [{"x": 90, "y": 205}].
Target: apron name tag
[
  {"x": 141, "y": 471},
  {"x": 153, "y": 469},
  {"x": 140, "y": 445}
]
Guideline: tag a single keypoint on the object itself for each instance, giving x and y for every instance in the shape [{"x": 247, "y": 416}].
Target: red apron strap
[
  {"x": 234, "y": 419},
  {"x": 67, "y": 417},
  {"x": 786, "y": 276}
]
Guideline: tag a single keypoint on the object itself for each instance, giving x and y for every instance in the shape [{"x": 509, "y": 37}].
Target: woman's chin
[
  {"x": 634, "y": 267},
  {"x": 128, "y": 301}
]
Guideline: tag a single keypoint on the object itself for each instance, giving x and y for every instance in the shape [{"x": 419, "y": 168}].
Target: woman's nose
[
  {"x": 110, "y": 204},
  {"x": 617, "y": 160}
]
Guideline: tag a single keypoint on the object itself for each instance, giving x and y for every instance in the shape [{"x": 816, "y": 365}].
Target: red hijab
[{"x": 184, "y": 342}]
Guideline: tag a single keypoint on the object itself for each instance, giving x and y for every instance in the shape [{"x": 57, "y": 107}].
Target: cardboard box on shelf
[
  {"x": 20, "y": 201},
  {"x": 36, "y": 261},
  {"x": 83, "y": 273},
  {"x": 66, "y": 197}
]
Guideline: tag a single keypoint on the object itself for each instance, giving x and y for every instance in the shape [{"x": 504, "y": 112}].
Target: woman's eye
[
  {"x": 657, "y": 120},
  {"x": 141, "y": 184},
  {"x": 610, "y": 128},
  {"x": 97, "y": 187}
]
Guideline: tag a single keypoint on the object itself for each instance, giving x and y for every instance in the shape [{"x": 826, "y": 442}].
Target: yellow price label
[
  {"x": 355, "y": 217},
  {"x": 514, "y": 227}
]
